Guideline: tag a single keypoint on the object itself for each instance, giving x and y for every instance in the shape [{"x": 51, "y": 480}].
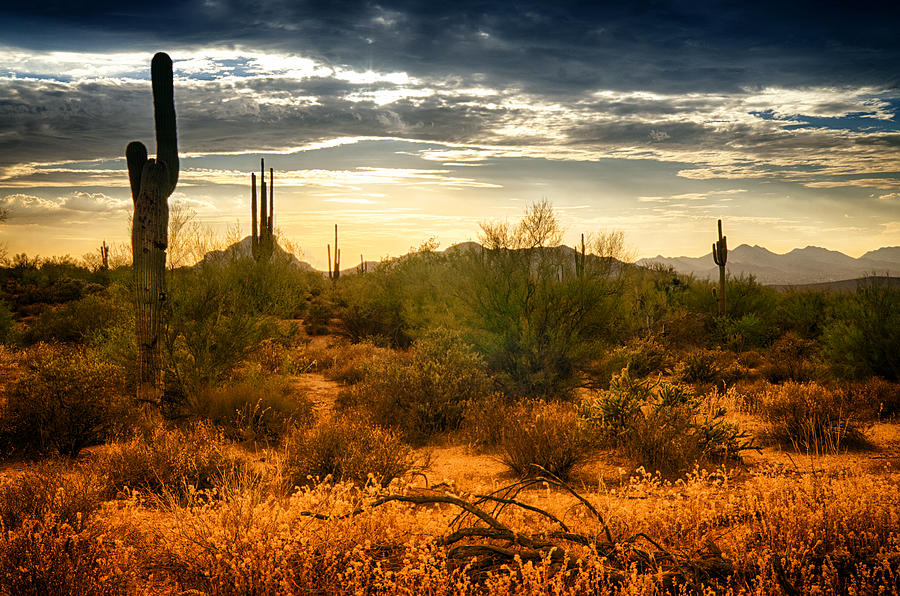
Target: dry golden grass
[{"x": 784, "y": 522}]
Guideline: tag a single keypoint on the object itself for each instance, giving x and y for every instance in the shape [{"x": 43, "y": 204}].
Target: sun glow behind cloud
[{"x": 247, "y": 101}]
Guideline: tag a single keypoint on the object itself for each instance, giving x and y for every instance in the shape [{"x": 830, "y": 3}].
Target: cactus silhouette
[
  {"x": 262, "y": 235},
  {"x": 337, "y": 256},
  {"x": 104, "y": 257},
  {"x": 720, "y": 257},
  {"x": 152, "y": 182}
]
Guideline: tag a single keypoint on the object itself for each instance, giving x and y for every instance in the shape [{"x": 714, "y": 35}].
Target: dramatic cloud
[{"x": 625, "y": 116}]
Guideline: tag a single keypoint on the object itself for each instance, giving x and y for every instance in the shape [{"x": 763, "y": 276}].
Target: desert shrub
[
  {"x": 876, "y": 395},
  {"x": 46, "y": 491},
  {"x": 790, "y": 359},
  {"x": 174, "y": 462},
  {"x": 76, "y": 321},
  {"x": 345, "y": 362},
  {"x": 6, "y": 321},
  {"x": 746, "y": 332},
  {"x": 64, "y": 400},
  {"x": 49, "y": 558},
  {"x": 536, "y": 313},
  {"x": 642, "y": 356},
  {"x": 262, "y": 409},
  {"x": 862, "y": 338},
  {"x": 427, "y": 392},
  {"x": 319, "y": 312},
  {"x": 541, "y": 436},
  {"x": 213, "y": 327},
  {"x": 803, "y": 312},
  {"x": 484, "y": 420},
  {"x": 345, "y": 450},
  {"x": 698, "y": 366},
  {"x": 810, "y": 417},
  {"x": 663, "y": 427}
]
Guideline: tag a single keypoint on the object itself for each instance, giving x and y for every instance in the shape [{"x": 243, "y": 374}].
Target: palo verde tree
[
  {"x": 535, "y": 315},
  {"x": 152, "y": 182}
]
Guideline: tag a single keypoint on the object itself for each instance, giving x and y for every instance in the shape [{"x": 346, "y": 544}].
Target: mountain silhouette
[{"x": 809, "y": 265}]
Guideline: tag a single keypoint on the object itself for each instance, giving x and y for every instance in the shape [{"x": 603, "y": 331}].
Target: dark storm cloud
[{"x": 555, "y": 48}]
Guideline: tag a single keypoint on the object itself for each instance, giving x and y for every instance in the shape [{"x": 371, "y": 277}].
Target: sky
[{"x": 404, "y": 122}]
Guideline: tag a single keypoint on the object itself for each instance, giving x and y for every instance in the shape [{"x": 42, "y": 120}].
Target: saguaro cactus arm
[{"x": 164, "y": 116}]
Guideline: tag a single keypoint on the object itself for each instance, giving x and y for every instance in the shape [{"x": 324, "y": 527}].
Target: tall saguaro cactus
[
  {"x": 104, "y": 257},
  {"x": 720, "y": 257},
  {"x": 337, "y": 256},
  {"x": 152, "y": 182},
  {"x": 262, "y": 236}
]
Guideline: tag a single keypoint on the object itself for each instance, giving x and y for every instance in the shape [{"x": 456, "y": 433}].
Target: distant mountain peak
[{"x": 811, "y": 264}]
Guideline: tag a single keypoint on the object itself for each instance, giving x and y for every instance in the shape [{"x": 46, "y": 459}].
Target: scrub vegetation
[{"x": 508, "y": 416}]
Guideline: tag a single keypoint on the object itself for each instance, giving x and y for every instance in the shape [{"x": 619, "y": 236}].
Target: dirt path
[{"x": 323, "y": 392}]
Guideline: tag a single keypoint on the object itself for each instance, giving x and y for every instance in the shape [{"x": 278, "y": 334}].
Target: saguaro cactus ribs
[{"x": 152, "y": 182}]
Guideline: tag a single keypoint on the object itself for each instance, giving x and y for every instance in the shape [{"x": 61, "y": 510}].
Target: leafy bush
[
  {"x": 167, "y": 461},
  {"x": 541, "y": 436},
  {"x": 699, "y": 366},
  {"x": 484, "y": 420},
  {"x": 6, "y": 321},
  {"x": 75, "y": 321},
  {"x": 663, "y": 427},
  {"x": 863, "y": 336},
  {"x": 810, "y": 417},
  {"x": 537, "y": 313},
  {"x": 65, "y": 400},
  {"x": 790, "y": 359},
  {"x": 252, "y": 410},
  {"x": 345, "y": 450},
  {"x": 876, "y": 395},
  {"x": 427, "y": 392},
  {"x": 213, "y": 326},
  {"x": 748, "y": 331}
]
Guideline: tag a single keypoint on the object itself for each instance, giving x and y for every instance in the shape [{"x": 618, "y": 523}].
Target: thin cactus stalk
[
  {"x": 263, "y": 211},
  {"x": 580, "y": 259},
  {"x": 104, "y": 257},
  {"x": 271, "y": 224},
  {"x": 262, "y": 237},
  {"x": 152, "y": 182},
  {"x": 720, "y": 257},
  {"x": 330, "y": 270},
  {"x": 337, "y": 256},
  {"x": 254, "y": 229}
]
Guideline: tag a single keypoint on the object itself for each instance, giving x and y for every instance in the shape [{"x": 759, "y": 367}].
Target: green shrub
[
  {"x": 162, "y": 461},
  {"x": 213, "y": 326},
  {"x": 76, "y": 321},
  {"x": 813, "y": 418},
  {"x": 7, "y": 323},
  {"x": 64, "y": 400},
  {"x": 663, "y": 427},
  {"x": 699, "y": 366},
  {"x": 253, "y": 410},
  {"x": 744, "y": 333},
  {"x": 542, "y": 436},
  {"x": 862, "y": 338},
  {"x": 345, "y": 450},
  {"x": 876, "y": 395},
  {"x": 427, "y": 392}
]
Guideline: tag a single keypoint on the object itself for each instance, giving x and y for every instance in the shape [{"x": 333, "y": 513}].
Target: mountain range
[{"x": 808, "y": 265}]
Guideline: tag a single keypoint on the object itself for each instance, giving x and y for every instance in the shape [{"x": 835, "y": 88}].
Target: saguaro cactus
[
  {"x": 337, "y": 256},
  {"x": 720, "y": 257},
  {"x": 152, "y": 182},
  {"x": 104, "y": 257},
  {"x": 262, "y": 236},
  {"x": 580, "y": 259}
]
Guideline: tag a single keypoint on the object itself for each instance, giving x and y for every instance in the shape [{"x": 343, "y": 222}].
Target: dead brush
[{"x": 482, "y": 545}]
